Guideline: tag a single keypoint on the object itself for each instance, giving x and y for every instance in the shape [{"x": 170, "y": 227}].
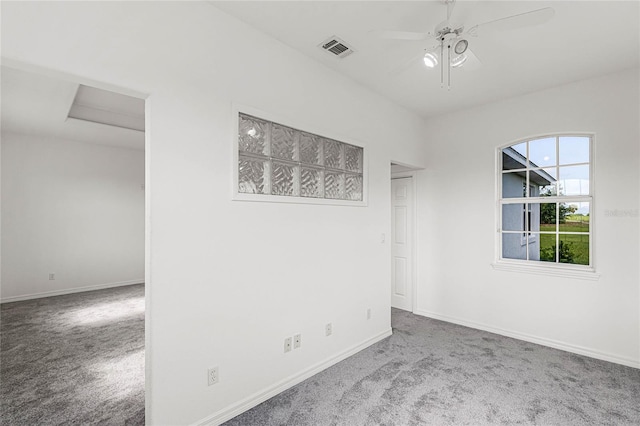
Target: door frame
[{"x": 414, "y": 224}]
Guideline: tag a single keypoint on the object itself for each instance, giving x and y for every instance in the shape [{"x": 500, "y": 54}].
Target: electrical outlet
[
  {"x": 212, "y": 375},
  {"x": 287, "y": 344},
  {"x": 297, "y": 341},
  {"x": 368, "y": 313},
  {"x": 328, "y": 329},
  {"x": 52, "y": 276}
]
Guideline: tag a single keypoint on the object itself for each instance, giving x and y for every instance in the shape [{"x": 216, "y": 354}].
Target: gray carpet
[
  {"x": 434, "y": 373},
  {"x": 73, "y": 359}
]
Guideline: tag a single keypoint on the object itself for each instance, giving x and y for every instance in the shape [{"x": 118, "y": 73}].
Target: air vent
[{"x": 337, "y": 47}]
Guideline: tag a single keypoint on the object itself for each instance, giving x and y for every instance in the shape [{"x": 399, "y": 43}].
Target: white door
[{"x": 402, "y": 243}]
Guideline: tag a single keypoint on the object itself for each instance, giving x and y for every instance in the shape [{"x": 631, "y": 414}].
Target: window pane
[
  {"x": 574, "y": 149},
  {"x": 282, "y": 142},
  {"x": 546, "y": 247},
  {"x": 333, "y": 185},
  {"x": 513, "y": 185},
  {"x": 512, "y": 247},
  {"x": 520, "y": 148},
  {"x": 353, "y": 158},
  {"x": 531, "y": 217},
  {"x": 353, "y": 187},
  {"x": 574, "y": 249},
  {"x": 542, "y": 152},
  {"x": 514, "y": 157},
  {"x": 574, "y": 217},
  {"x": 310, "y": 183},
  {"x": 543, "y": 182},
  {"x": 251, "y": 176},
  {"x": 543, "y": 217},
  {"x": 513, "y": 217},
  {"x": 310, "y": 149},
  {"x": 282, "y": 179},
  {"x": 333, "y": 154},
  {"x": 574, "y": 180},
  {"x": 252, "y": 135}
]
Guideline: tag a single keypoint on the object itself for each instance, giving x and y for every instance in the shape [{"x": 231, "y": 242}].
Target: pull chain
[
  {"x": 442, "y": 63},
  {"x": 449, "y": 67}
]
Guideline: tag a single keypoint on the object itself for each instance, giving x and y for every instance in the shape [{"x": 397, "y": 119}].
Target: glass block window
[
  {"x": 274, "y": 159},
  {"x": 545, "y": 201}
]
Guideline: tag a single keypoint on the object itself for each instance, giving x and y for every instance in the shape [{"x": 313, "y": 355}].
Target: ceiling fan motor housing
[{"x": 445, "y": 28}]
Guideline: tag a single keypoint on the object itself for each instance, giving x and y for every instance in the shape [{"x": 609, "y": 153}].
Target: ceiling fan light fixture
[
  {"x": 461, "y": 46},
  {"x": 458, "y": 60},
  {"x": 430, "y": 59}
]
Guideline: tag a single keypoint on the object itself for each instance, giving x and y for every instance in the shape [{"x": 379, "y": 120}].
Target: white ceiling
[
  {"x": 38, "y": 105},
  {"x": 584, "y": 39}
]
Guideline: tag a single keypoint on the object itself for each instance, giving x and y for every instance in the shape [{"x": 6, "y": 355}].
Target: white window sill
[
  {"x": 564, "y": 271},
  {"x": 265, "y": 198}
]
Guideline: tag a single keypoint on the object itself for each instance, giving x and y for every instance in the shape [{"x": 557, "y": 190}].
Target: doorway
[{"x": 74, "y": 228}]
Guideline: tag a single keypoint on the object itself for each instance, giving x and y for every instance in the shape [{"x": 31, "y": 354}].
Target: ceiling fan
[{"x": 451, "y": 39}]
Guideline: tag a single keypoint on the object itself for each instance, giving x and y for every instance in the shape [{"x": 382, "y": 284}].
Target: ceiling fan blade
[
  {"x": 527, "y": 19},
  {"x": 406, "y": 65},
  {"x": 472, "y": 62},
  {"x": 451, "y": 4},
  {"x": 401, "y": 35}
]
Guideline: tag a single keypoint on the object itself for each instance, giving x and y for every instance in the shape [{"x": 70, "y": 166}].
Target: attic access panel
[{"x": 106, "y": 107}]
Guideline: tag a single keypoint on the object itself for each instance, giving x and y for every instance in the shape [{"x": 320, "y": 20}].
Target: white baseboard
[
  {"x": 535, "y": 339},
  {"x": 68, "y": 291},
  {"x": 271, "y": 391}
]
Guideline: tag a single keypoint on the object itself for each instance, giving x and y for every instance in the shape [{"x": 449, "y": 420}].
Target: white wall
[
  {"x": 73, "y": 209},
  {"x": 230, "y": 280},
  {"x": 458, "y": 225}
]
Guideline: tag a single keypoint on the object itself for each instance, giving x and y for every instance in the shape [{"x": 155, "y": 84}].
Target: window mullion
[{"x": 557, "y": 232}]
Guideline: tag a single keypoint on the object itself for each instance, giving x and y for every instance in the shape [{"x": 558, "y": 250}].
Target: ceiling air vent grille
[{"x": 337, "y": 47}]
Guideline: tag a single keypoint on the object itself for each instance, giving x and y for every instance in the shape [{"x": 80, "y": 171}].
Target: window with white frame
[
  {"x": 545, "y": 201},
  {"x": 274, "y": 159}
]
